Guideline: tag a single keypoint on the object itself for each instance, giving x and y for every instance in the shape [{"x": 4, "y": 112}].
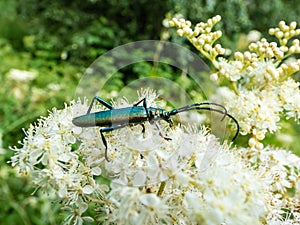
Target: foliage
[
  {"x": 27, "y": 96},
  {"x": 80, "y": 31}
]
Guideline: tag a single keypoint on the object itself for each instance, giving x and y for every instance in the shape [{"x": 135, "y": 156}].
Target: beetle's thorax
[{"x": 158, "y": 114}]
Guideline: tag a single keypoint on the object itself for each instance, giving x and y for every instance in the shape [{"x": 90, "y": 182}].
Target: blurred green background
[{"x": 46, "y": 45}]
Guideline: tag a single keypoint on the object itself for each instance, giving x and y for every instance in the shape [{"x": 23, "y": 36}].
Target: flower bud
[
  {"x": 214, "y": 77},
  {"x": 180, "y": 32},
  {"x": 279, "y": 34},
  {"x": 252, "y": 142},
  {"x": 259, "y": 146},
  {"x": 293, "y": 25},
  {"x": 247, "y": 56},
  {"x": 207, "y": 47},
  {"x": 272, "y": 31},
  {"x": 295, "y": 42}
]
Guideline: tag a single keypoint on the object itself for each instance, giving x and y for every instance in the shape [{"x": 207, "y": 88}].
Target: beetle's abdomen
[{"x": 114, "y": 117}]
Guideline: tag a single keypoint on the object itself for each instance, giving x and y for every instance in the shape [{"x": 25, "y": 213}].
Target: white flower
[
  {"x": 21, "y": 75},
  {"x": 136, "y": 207},
  {"x": 76, "y": 217},
  {"x": 253, "y": 36},
  {"x": 280, "y": 169},
  {"x": 228, "y": 192},
  {"x": 289, "y": 94},
  {"x": 231, "y": 70},
  {"x": 262, "y": 73}
]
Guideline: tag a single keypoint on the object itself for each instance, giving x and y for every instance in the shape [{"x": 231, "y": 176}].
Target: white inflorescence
[
  {"x": 205, "y": 182},
  {"x": 262, "y": 87},
  {"x": 259, "y": 92}
]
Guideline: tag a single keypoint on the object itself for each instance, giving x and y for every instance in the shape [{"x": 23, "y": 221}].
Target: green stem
[
  {"x": 161, "y": 188},
  {"x": 18, "y": 122},
  {"x": 12, "y": 202},
  {"x": 234, "y": 87}
]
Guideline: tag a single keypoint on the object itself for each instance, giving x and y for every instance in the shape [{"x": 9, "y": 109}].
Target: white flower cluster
[
  {"x": 46, "y": 154},
  {"x": 262, "y": 90},
  {"x": 18, "y": 81},
  {"x": 202, "y": 37},
  {"x": 280, "y": 170},
  {"x": 21, "y": 75},
  {"x": 191, "y": 179},
  {"x": 259, "y": 111}
]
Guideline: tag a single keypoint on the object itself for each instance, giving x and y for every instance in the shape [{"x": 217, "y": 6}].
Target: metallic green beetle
[{"x": 113, "y": 119}]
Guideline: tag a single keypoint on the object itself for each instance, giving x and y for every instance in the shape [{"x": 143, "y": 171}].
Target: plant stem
[{"x": 161, "y": 188}]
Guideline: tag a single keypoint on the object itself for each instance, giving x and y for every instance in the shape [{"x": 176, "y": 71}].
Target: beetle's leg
[
  {"x": 144, "y": 105},
  {"x": 160, "y": 133},
  {"x": 143, "y": 129},
  {"x": 171, "y": 123},
  {"x": 142, "y": 100},
  {"x": 108, "y": 129},
  {"x": 102, "y": 101}
]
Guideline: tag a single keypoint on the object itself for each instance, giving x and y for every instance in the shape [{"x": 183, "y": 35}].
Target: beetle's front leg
[
  {"x": 100, "y": 100},
  {"x": 142, "y": 100}
]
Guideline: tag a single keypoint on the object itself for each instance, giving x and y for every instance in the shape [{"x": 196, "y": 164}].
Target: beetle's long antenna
[
  {"x": 200, "y": 106},
  {"x": 197, "y": 105}
]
